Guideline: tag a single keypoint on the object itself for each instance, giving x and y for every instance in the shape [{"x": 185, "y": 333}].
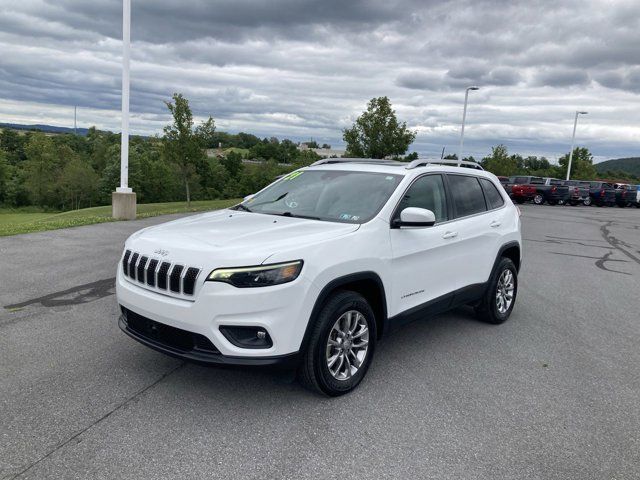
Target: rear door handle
[
  {"x": 495, "y": 224},
  {"x": 450, "y": 235}
]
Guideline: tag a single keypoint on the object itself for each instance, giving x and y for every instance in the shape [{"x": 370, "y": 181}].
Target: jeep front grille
[{"x": 154, "y": 273}]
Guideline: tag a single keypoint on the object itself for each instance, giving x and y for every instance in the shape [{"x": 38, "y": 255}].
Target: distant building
[{"x": 323, "y": 152}]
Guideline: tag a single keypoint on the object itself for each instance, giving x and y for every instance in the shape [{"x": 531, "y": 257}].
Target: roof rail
[
  {"x": 373, "y": 161},
  {"x": 422, "y": 162}
]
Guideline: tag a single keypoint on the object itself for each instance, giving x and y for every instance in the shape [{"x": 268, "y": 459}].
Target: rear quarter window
[
  {"x": 468, "y": 198},
  {"x": 491, "y": 194}
]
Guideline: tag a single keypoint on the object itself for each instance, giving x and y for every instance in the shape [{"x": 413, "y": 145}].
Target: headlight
[{"x": 260, "y": 276}]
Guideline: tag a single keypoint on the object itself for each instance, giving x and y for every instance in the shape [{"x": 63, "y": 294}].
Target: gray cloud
[
  {"x": 305, "y": 68},
  {"x": 560, "y": 77}
]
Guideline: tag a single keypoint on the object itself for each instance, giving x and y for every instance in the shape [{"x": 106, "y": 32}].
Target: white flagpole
[{"x": 124, "y": 145}]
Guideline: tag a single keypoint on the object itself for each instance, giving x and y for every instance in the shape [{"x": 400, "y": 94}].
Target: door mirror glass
[{"x": 415, "y": 217}]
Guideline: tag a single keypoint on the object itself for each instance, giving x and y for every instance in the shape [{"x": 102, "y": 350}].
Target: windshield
[{"x": 336, "y": 196}]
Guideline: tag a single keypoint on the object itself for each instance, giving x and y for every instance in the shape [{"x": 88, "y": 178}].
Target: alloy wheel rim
[
  {"x": 347, "y": 345},
  {"x": 504, "y": 292},
  {"x": 537, "y": 199}
]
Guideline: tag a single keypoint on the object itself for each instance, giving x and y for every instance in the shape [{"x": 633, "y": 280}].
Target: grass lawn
[{"x": 15, "y": 222}]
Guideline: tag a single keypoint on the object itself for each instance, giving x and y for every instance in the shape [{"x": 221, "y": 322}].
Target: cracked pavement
[{"x": 553, "y": 393}]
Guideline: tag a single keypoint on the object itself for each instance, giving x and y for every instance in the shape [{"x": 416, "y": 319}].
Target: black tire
[
  {"x": 587, "y": 201},
  {"x": 552, "y": 202},
  {"x": 314, "y": 372},
  {"x": 538, "y": 199},
  {"x": 487, "y": 310}
]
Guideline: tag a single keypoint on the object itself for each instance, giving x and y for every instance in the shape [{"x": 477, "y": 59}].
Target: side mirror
[
  {"x": 415, "y": 217},
  {"x": 249, "y": 197}
]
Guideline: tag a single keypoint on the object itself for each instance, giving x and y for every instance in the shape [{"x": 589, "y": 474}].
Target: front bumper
[
  {"x": 282, "y": 310},
  {"x": 194, "y": 353}
]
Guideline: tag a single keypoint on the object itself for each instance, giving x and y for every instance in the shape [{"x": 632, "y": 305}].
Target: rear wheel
[
  {"x": 538, "y": 199},
  {"x": 341, "y": 345},
  {"x": 587, "y": 201},
  {"x": 500, "y": 297}
]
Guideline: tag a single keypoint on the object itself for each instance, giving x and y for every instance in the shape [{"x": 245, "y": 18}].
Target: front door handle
[
  {"x": 450, "y": 235},
  {"x": 495, "y": 224}
]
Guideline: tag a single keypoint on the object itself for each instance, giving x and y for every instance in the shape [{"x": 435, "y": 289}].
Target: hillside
[
  {"x": 43, "y": 128},
  {"x": 627, "y": 165}
]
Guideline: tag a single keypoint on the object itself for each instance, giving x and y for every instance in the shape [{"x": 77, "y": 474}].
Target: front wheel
[
  {"x": 587, "y": 201},
  {"x": 538, "y": 199},
  {"x": 500, "y": 297},
  {"x": 341, "y": 345}
]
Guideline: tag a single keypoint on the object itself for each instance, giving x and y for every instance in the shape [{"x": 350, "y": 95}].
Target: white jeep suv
[{"x": 315, "y": 268}]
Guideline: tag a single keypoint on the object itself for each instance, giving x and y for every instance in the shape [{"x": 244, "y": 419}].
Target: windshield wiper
[
  {"x": 242, "y": 207},
  {"x": 271, "y": 201},
  {"x": 289, "y": 214}
]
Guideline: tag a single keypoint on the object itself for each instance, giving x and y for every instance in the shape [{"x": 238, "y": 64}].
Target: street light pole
[
  {"x": 124, "y": 199},
  {"x": 573, "y": 141},
  {"x": 464, "y": 117}
]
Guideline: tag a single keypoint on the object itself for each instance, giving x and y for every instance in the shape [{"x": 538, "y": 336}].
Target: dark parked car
[
  {"x": 626, "y": 195},
  {"x": 504, "y": 181},
  {"x": 578, "y": 192},
  {"x": 602, "y": 193},
  {"x": 548, "y": 190}
]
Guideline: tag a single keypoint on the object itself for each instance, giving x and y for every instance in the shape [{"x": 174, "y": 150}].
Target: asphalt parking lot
[{"x": 553, "y": 393}]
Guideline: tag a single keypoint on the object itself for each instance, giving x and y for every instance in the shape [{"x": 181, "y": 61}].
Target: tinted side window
[
  {"x": 521, "y": 180},
  {"x": 426, "y": 192},
  {"x": 467, "y": 195},
  {"x": 491, "y": 193}
]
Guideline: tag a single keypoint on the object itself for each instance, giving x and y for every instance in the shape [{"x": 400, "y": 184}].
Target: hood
[{"x": 231, "y": 237}]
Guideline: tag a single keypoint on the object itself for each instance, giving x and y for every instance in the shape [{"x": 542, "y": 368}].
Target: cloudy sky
[{"x": 301, "y": 69}]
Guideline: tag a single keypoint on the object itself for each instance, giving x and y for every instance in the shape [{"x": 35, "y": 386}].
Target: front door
[{"x": 423, "y": 270}]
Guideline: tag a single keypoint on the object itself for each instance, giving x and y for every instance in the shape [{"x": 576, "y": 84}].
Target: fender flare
[
  {"x": 504, "y": 248},
  {"x": 337, "y": 283}
]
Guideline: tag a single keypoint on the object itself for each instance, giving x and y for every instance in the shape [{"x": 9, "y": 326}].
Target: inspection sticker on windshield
[{"x": 346, "y": 216}]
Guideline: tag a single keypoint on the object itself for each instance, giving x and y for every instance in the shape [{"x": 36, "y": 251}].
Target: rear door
[
  {"x": 423, "y": 267},
  {"x": 479, "y": 219}
]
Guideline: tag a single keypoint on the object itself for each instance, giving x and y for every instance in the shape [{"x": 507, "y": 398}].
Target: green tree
[
  {"x": 377, "y": 132},
  {"x": 13, "y": 144},
  {"x": 232, "y": 163},
  {"x": 185, "y": 145},
  {"x": 41, "y": 169},
  {"x": 4, "y": 176},
  {"x": 581, "y": 165},
  {"x": 500, "y": 162},
  {"x": 78, "y": 184}
]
